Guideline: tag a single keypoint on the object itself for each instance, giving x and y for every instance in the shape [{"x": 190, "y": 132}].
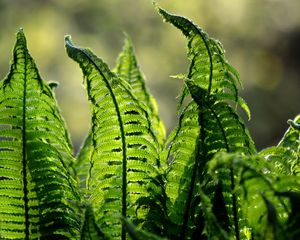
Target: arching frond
[
  {"x": 212, "y": 82},
  {"x": 209, "y": 68},
  {"x": 38, "y": 195},
  {"x": 128, "y": 69},
  {"x": 125, "y": 157}
]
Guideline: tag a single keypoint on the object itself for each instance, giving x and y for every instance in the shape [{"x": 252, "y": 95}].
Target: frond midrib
[{"x": 24, "y": 148}]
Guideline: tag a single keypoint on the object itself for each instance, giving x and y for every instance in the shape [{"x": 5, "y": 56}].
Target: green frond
[
  {"x": 139, "y": 234},
  {"x": 291, "y": 142},
  {"x": 224, "y": 129},
  {"x": 282, "y": 159},
  {"x": 286, "y": 155},
  {"x": 206, "y": 127},
  {"x": 83, "y": 163},
  {"x": 128, "y": 69},
  {"x": 212, "y": 83},
  {"x": 291, "y": 228},
  {"x": 125, "y": 157},
  {"x": 209, "y": 69},
  {"x": 90, "y": 230},
  {"x": 291, "y": 137},
  {"x": 38, "y": 196},
  {"x": 271, "y": 230},
  {"x": 181, "y": 144},
  {"x": 267, "y": 195}
]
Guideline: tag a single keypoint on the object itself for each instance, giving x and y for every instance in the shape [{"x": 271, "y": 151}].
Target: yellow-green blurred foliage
[{"x": 261, "y": 38}]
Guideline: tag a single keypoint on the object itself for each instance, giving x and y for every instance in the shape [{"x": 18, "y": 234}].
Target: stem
[
  {"x": 24, "y": 152},
  {"x": 234, "y": 207}
]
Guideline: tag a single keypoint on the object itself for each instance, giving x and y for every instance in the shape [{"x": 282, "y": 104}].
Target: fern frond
[
  {"x": 271, "y": 230},
  {"x": 286, "y": 155},
  {"x": 209, "y": 68},
  {"x": 128, "y": 69},
  {"x": 181, "y": 174},
  {"x": 291, "y": 142},
  {"x": 83, "y": 163},
  {"x": 90, "y": 230},
  {"x": 202, "y": 132},
  {"x": 262, "y": 189},
  {"x": 224, "y": 129},
  {"x": 281, "y": 158},
  {"x": 212, "y": 83},
  {"x": 138, "y": 234},
  {"x": 291, "y": 137},
  {"x": 38, "y": 196},
  {"x": 125, "y": 156},
  {"x": 291, "y": 227}
]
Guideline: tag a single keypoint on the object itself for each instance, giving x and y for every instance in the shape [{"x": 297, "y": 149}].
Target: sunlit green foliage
[
  {"x": 206, "y": 181},
  {"x": 38, "y": 193}
]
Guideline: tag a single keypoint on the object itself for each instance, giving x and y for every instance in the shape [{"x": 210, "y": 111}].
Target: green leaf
[
  {"x": 38, "y": 196},
  {"x": 128, "y": 69},
  {"x": 208, "y": 125},
  {"x": 294, "y": 124},
  {"x": 209, "y": 69},
  {"x": 292, "y": 225},
  {"x": 138, "y": 234},
  {"x": 83, "y": 163},
  {"x": 125, "y": 158},
  {"x": 271, "y": 229},
  {"x": 181, "y": 174},
  {"x": 291, "y": 142},
  {"x": 291, "y": 138},
  {"x": 90, "y": 230},
  {"x": 263, "y": 190},
  {"x": 286, "y": 155}
]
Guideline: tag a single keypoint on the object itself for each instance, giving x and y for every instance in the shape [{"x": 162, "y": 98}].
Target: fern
[
  {"x": 38, "y": 195},
  {"x": 269, "y": 187},
  {"x": 286, "y": 154},
  {"x": 206, "y": 126},
  {"x": 83, "y": 163},
  {"x": 208, "y": 69},
  {"x": 138, "y": 234},
  {"x": 90, "y": 229},
  {"x": 128, "y": 69},
  {"x": 125, "y": 156},
  {"x": 214, "y": 186},
  {"x": 291, "y": 142}
]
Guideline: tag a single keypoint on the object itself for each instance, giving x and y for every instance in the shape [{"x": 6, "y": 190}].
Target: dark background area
[{"x": 261, "y": 39}]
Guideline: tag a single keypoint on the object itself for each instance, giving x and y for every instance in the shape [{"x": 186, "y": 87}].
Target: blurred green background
[{"x": 261, "y": 38}]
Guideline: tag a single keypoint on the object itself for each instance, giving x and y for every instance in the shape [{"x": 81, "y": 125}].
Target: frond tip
[
  {"x": 295, "y": 125},
  {"x": 209, "y": 68},
  {"x": 128, "y": 69}
]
